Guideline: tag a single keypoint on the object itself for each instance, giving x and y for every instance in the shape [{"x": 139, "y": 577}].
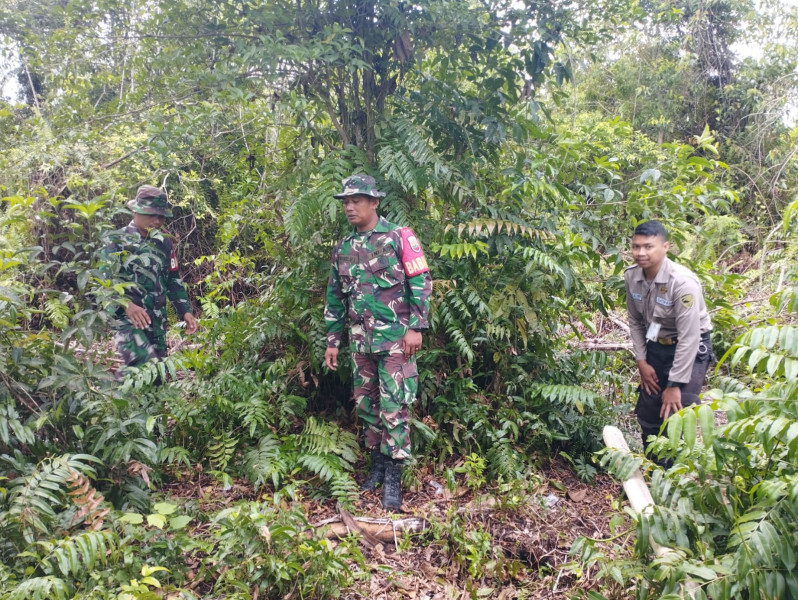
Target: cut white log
[
  {"x": 640, "y": 497},
  {"x": 635, "y": 487}
]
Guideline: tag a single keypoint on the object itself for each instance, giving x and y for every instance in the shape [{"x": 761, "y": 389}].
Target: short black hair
[{"x": 650, "y": 228}]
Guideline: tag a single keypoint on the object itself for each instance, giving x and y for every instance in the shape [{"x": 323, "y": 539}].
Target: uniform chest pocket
[
  {"x": 664, "y": 311},
  {"x": 348, "y": 273},
  {"x": 386, "y": 269}
]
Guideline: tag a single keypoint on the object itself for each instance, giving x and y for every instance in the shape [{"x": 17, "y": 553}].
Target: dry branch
[
  {"x": 608, "y": 346},
  {"x": 380, "y": 530}
]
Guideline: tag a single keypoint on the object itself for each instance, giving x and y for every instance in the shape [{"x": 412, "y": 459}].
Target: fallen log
[{"x": 383, "y": 530}]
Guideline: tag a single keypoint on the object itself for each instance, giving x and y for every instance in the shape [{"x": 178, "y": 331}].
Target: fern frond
[
  {"x": 210, "y": 310},
  {"x": 78, "y": 555},
  {"x": 323, "y": 438},
  {"x": 12, "y": 430},
  {"x": 40, "y": 588},
  {"x": 537, "y": 259},
  {"x": 620, "y": 464},
  {"x": 57, "y": 313},
  {"x": 90, "y": 503},
  {"x": 152, "y": 372},
  {"x": 570, "y": 395},
  {"x": 173, "y": 455},
  {"x": 504, "y": 460},
  {"x": 345, "y": 490},
  {"x": 221, "y": 450},
  {"x": 266, "y": 462},
  {"x": 325, "y": 466},
  {"x": 256, "y": 413},
  {"x": 34, "y": 498}
]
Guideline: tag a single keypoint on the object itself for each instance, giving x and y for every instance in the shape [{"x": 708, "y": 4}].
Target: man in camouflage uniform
[
  {"x": 144, "y": 256},
  {"x": 380, "y": 281}
]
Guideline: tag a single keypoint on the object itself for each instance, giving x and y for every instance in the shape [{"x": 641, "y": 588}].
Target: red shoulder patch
[
  {"x": 173, "y": 259},
  {"x": 412, "y": 255}
]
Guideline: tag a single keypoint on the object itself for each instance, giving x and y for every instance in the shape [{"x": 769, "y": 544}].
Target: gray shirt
[{"x": 675, "y": 300}]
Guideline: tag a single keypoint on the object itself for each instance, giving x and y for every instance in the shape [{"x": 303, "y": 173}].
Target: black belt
[{"x": 672, "y": 340}]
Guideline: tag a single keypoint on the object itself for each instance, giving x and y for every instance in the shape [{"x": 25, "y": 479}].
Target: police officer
[
  {"x": 670, "y": 329},
  {"x": 380, "y": 282},
  {"x": 143, "y": 256}
]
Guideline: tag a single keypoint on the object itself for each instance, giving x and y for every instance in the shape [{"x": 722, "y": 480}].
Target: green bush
[{"x": 729, "y": 505}]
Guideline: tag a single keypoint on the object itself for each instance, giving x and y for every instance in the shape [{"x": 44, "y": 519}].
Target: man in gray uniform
[{"x": 670, "y": 329}]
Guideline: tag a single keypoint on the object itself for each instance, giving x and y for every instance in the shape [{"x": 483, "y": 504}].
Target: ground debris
[{"x": 529, "y": 542}]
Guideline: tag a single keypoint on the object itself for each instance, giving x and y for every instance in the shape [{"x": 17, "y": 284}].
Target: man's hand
[
  {"x": 671, "y": 402},
  {"x": 648, "y": 377},
  {"x": 411, "y": 343},
  {"x": 191, "y": 323},
  {"x": 331, "y": 359},
  {"x": 137, "y": 315}
]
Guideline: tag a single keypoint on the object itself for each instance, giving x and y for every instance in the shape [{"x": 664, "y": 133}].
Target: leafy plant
[
  {"x": 727, "y": 506},
  {"x": 276, "y": 551}
]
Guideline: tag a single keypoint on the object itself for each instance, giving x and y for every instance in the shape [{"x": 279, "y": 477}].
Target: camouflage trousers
[
  {"x": 384, "y": 387},
  {"x": 138, "y": 346}
]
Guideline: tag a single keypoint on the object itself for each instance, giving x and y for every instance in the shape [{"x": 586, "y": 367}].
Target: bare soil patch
[{"x": 484, "y": 543}]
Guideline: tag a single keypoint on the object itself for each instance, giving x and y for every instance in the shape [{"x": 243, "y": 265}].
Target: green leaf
[
  {"x": 156, "y": 520},
  {"x": 165, "y": 508},
  {"x": 179, "y": 522},
  {"x": 706, "y": 416},
  {"x": 675, "y": 431},
  {"x": 698, "y": 571},
  {"x": 689, "y": 427},
  {"x": 82, "y": 280},
  {"x": 132, "y": 518}
]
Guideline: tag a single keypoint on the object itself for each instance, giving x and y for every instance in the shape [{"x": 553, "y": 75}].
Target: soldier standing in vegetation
[
  {"x": 144, "y": 256},
  {"x": 380, "y": 280},
  {"x": 670, "y": 329}
]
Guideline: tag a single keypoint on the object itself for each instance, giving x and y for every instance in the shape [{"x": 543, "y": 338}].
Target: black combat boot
[
  {"x": 377, "y": 473},
  {"x": 392, "y": 488}
]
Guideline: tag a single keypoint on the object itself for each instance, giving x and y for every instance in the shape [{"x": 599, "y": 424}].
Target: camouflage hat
[
  {"x": 359, "y": 184},
  {"x": 150, "y": 200}
]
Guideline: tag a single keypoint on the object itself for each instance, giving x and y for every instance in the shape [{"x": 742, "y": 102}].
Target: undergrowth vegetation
[{"x": 727, "y": 508}]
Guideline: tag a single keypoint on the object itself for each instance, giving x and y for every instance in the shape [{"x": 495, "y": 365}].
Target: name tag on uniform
[
  {"x": 664, "y": 301},
  {"x": 653, "y": 331},
  {"x": 638, "y": 297}
]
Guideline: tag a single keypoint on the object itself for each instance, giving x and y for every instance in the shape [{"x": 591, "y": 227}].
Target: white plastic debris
[
  {"x": 437, "y": 487},
  {"x": 551, "y": 500}
]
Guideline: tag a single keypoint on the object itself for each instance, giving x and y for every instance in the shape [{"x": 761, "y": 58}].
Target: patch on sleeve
[
  {"x": 173, "y": 260},
  {"x": 413, "y": 259},
  {"x": 687, "y": 300}
]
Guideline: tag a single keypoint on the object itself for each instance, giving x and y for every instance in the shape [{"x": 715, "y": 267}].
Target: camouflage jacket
[
  {"x": 380, "y": 280},
  {"x": 151, "y": 265}
]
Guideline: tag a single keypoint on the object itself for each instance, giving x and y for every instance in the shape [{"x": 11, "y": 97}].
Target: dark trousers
[{"x": 660, "y": 357}]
